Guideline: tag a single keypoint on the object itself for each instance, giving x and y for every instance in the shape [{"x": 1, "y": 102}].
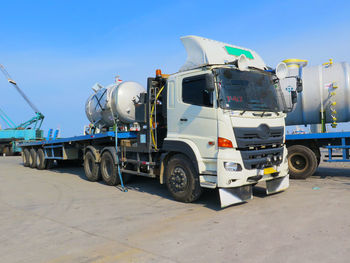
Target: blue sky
[{"x": 57, "y": 50}]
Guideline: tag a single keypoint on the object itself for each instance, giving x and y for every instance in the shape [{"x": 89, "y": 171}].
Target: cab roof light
[
  {"x": 158, "y": 73},
  {"x": 224, "y": 143}
]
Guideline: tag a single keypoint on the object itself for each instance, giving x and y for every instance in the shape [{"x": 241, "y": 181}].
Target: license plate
[{"x": 269, "y": 170}]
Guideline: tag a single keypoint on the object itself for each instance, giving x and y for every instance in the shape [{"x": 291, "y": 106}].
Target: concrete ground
[{"x": 59, "y": 216}]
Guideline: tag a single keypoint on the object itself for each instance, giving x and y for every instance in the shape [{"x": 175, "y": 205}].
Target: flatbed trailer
[
  {"x": 304, "y": 153},
  {"x": 71, "y": 148}
]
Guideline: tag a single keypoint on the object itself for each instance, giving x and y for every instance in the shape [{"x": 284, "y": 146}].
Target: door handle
[{"x": 183, "y": 119}]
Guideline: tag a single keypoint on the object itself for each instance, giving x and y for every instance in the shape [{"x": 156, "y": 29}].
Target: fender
[
  {"x": 94, "y": 151},
  {"x": 185, "y": 147}
]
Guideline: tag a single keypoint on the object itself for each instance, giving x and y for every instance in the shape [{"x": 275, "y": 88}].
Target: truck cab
[{"x": 227, "y": 117}]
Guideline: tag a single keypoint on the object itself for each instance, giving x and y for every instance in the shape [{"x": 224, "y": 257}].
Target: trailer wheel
[
  {"x": 302, "y": 162},
  {"x": 91, "y": 168},
  {"x": 109, "y": 170},
  {"x": 25, "y": 157},
  {"x": 40, "y": 159},
  {"x": 182, "y": 180},
  {"x": 32, "y": 158}
]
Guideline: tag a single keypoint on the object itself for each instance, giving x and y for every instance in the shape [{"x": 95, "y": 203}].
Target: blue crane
[{"x": 28, "y": 130}]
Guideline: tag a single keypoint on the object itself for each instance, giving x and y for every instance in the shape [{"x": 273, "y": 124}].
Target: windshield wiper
[{"x": 242, "y": 112}]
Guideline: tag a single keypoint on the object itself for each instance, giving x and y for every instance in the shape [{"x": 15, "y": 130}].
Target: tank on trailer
[
  {"x": 325, "y": 97},
  {"x": 115, "y": 101}
]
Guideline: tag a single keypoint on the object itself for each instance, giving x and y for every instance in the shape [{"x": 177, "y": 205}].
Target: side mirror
[
  {"x": 210, "y": 83},
  {"x": 281, "y": 70}
]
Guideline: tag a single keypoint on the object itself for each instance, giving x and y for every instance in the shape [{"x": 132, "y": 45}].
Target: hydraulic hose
[{"x": 151, "y": 118}]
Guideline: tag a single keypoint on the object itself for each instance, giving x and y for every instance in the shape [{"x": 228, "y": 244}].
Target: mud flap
[
  {"x": 277, "y": 185},
  {"x": 236, "y": 195}
]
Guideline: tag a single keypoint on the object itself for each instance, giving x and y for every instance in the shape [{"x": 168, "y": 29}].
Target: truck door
[{"x": 192, "y": 113}]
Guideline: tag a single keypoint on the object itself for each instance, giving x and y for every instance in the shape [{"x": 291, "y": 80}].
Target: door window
[{"x": 194, "y": 91}]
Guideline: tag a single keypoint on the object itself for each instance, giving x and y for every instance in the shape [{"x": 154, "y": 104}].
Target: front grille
[
  {"x": 260, "y": 147},
  {"x": 252, "y": 137}
]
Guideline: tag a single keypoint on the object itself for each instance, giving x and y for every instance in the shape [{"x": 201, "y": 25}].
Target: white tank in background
[
  {"x": 325, "y": 95},
  {"x": 115, "y": 101}
]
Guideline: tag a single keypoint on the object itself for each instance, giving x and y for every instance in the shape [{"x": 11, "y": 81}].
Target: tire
[
  {"x": 26, "y": 157},
  {"x": 32, "y": 159},
  {"x": 302, "y": 162},
  {"x": 109, "y": 170},
  {"x": 317, "y": 153},
  {"x": 91, "y": 168},
  {"x": 40, "y": 159},
  {"x": 182, "y": 180}
]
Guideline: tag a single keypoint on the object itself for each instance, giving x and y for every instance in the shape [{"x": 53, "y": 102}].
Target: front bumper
[
  {"x": 236, "y": 186},
  {"x": 236, "y": 195}
]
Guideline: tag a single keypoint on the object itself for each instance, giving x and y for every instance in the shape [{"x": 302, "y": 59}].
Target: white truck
[{"x": 217, "y": 123}]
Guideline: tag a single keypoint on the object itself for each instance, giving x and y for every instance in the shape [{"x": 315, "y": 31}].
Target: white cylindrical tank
[
  {"x": 326, "y": 94},
  {"x": 115, "y": 101}
]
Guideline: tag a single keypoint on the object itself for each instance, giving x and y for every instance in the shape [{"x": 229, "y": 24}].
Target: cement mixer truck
[
  {"x": 325, "y": 98},
  {"x": 218, "y": 123}
]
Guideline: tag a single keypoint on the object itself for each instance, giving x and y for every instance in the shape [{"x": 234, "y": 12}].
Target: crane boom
[
  {"x": 38, "y": 118},
  {"x": 11, "y": 81}
]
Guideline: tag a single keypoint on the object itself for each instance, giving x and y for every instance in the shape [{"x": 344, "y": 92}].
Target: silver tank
[
  {"x": 325, "y": 88},
  {"x": 114, "y": 101}
]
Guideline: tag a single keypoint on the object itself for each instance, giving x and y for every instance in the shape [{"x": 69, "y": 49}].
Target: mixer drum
[{"x": 114, "y": 101}]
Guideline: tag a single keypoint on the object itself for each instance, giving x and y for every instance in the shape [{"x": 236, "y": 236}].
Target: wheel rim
[
  {"x": 178, "y": 179},
  {"x": 298, "y": 162}
]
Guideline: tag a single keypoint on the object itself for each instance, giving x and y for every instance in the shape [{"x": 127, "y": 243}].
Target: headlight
[{"x": 232, "y": 167}]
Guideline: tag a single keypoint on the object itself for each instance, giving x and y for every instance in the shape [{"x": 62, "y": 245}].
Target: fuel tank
[{"x": 115, "y": 101}]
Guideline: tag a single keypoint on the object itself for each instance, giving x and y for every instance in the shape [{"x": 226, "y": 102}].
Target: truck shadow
[
  {"x": 209, "y": 198},
  {"x": 331, "y": 172}
]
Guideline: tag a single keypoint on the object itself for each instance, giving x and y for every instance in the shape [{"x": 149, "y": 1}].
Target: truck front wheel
[
  {"x": 109, "y": 170},
  {"x": 91, "y": 168},
  {"x": 302, "y": 162},
  {"x": 182, "y": 180}
]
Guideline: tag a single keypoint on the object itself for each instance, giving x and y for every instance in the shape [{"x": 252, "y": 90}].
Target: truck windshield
[{"x": 247, "y": 90}]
